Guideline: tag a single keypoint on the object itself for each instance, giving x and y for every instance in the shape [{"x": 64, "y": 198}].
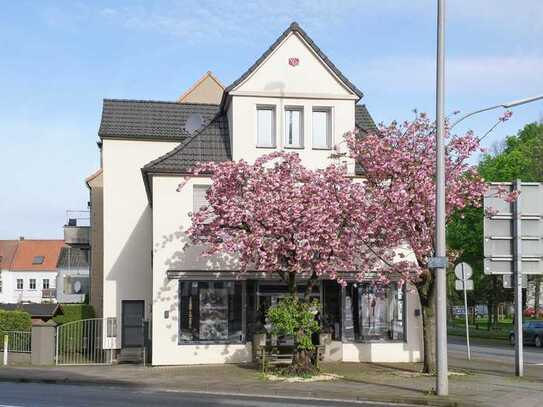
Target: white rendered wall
[
  {"x": 11, "y": 295},
  {"x": 127, "y": 224},
  {"x": 170, "y": 221}
]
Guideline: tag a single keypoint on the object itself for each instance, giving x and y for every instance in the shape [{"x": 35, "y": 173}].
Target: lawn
[{"x": 457, "y": 327}]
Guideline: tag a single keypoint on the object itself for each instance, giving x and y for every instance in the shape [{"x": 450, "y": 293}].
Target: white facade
[
  {"x": 127, "y": 225},
  {"x": 11, "y": 294},
  {"x": 143, "y": 242}
]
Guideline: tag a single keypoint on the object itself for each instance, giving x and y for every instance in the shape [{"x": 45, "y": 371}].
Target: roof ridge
[{"x": 167, "y": 102}]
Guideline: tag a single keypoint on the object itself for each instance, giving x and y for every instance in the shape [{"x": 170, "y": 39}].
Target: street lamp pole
[
  {"x": 442, "y": 379},
  {"x": 507, "y": 105}
]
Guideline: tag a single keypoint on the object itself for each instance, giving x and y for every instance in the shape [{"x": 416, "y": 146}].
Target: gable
[
  {"x": 294, "y": 66},
  {"x": 207, "y": 90}
]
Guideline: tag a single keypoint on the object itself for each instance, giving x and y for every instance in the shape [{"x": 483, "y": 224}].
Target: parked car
[{"x": 532, "y": 332}]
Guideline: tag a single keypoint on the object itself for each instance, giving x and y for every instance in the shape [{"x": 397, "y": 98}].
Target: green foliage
[
  {"x": 75, "y": 312},
  {"x": 15, "y": 321},
  {"x": 293, "y": 317}
]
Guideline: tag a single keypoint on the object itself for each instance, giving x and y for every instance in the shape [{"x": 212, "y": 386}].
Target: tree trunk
[
  {"x": 302, "y": 363},
  {"x": 426, "y": 290}
]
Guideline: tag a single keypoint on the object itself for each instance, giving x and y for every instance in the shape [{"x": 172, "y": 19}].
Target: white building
[
  {"x": 292, "y": 98},
  {"x": 28, "y": 270}
]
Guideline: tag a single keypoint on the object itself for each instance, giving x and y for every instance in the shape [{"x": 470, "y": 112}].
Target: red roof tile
[
  {"x": 29, "y": 253},
  {"x": 7, "y": 252}
]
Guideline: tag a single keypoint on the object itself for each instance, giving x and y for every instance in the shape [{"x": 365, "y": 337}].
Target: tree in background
[{"x": 519, "y": 156}]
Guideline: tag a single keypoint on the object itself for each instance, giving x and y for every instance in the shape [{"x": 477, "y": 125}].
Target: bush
[
  {"x": 293, "y": 317},
  {"x": 75, "y": 312},
  {"x": 15, "y": 321}
]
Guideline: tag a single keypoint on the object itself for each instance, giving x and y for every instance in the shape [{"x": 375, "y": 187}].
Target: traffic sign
[
  {"x": 459, "y": 285},
  {"x": 512, "y": 225},
  {"x": 463, "y": 271}
]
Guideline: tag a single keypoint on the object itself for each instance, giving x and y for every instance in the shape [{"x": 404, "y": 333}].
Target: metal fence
[
  {"x": 18, "y": 341},
  {"x": 81, "y": 343}
]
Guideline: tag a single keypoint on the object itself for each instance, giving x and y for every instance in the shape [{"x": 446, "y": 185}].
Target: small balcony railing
[{"x": 48, "y": 293}]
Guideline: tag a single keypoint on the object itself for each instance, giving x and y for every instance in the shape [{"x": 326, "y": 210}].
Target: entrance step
[{"x": 131, "y": 355}]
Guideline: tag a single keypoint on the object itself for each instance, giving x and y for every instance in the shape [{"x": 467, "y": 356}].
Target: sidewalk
[{"x": 373, "y": 382}]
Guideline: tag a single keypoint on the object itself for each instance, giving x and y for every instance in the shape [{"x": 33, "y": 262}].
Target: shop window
[
  {"x": 374, "y": 313},
  {"x": 210, "y": 312}
]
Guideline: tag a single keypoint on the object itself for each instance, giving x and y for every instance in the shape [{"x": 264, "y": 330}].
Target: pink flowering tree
[
  {"x": 398, "y": 162},
  {"x": 277, "y": 216}
]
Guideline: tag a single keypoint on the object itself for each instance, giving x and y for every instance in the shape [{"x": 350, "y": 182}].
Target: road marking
[{"x": 9, "y": 405}]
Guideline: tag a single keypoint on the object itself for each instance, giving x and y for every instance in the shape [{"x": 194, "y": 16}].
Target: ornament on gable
[{"x": 293, "y": 61}]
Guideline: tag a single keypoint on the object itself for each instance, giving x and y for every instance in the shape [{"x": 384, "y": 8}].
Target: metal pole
[
  {"x": 442, "y": 380},
  {"x": 6, "y": 343},
  {"x": 517, "y": 232},
  {"x": 464, "y": 281}
]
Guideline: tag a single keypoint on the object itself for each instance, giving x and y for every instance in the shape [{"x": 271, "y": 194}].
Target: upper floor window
[
  {"x": 32, "y": 284},
  {"x": 45, "y": 283},
  {"x": 265, "y": 118},
  {"x": 199, "y": 198},
  {"x": 294, "y": 127},
  {"x": 38, "y": 259},
  {"x": 19, "y": 284},
  {"x": 322, "y": 128}
]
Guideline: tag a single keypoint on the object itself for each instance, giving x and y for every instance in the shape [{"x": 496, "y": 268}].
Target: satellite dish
[
  {"x": 194, "y": 123},
  {"x": 77, "y": 287}
]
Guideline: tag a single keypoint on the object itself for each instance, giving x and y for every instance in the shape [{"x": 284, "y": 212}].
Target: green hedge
[
  {"x": 15, "y": 321},
  {"x": 75, "y": 312}
]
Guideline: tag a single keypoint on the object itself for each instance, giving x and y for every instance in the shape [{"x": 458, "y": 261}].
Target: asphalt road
[
  {"x": 43, "y": 395},
  {"x": 495, "y": 351}
]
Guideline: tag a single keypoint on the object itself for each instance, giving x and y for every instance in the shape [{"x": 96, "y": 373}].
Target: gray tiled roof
[
  {"x": 35, "y": 310},
  {"x": 73, "y": 257},
  {"x": 150, "y": 119},
  {"x": 212, "y": 143},
  {"x": 363, "y": 119},
  {"x": 294, "y": 27}
]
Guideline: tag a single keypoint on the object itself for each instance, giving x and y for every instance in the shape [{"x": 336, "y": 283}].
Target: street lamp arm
[{"x": 508, "y": 105}]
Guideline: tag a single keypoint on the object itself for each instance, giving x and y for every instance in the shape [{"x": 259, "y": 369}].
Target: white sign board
[{"x": 459, "y": 285}]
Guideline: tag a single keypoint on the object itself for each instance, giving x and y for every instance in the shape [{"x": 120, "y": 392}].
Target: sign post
[
  {"x": 514, "y": 243},
  {"x": 463, "y": 272}
]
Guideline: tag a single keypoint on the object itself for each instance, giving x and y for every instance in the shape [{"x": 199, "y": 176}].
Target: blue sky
[{"x": 60, "y": 59}]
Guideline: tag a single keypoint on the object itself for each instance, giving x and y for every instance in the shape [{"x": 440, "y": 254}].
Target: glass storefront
[
  {"x": 373, "y": 313},
  {"x": 231, "y": 311}
]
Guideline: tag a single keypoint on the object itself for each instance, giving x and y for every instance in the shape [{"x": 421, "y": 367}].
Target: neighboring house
[
  {"x": 42, "y": 312},
  {"x": 207, "y": 90},
  {"x": 73, "y": 275},
  {"x": 292, "y": 98},
  {"x": 96, "y": 186},
  {"x": 7, "y": 253},
  {"x": 31, "y": 274}
]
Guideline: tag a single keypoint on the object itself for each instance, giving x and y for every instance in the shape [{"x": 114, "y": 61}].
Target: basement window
[{"x": 38, "y": 259}]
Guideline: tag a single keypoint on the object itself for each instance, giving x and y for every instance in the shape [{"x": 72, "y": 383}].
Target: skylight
[{"x": 38, "y": 259}]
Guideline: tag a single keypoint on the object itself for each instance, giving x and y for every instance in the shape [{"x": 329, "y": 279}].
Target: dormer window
[
  {"x": 265, "y": 132},
  {"x": 294, "y": 127},
  {"x": 38, "y": 259}
]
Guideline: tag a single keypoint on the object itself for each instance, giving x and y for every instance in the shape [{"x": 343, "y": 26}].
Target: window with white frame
[
  {"x": 19, "y": 284},
  {"x": 199, "y": 198},
  {"x": 0, "y": 284},
  {"x": 32, "y": 283},
  {"x": 294, "y": 127},
  {"x": 265, "y": 131},
  {"x": 322, "y": 128},
  {"x": 45, "y": 283}
]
